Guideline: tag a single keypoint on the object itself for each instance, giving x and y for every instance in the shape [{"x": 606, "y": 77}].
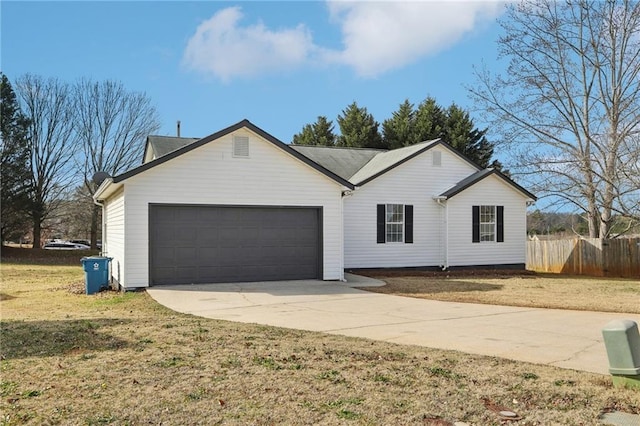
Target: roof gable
[
  {"x": 479, "y": 176},
  {"x": 242, "y": 124},
  {"x": 388, "y": 160}
]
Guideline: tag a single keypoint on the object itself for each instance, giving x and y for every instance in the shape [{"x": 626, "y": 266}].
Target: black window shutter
[
  {"x": 408, "y": 224},
  {"x": 382, "y": 229},
  {"x": 500, "y": 224},
  {"x": 475, "y": 221}
]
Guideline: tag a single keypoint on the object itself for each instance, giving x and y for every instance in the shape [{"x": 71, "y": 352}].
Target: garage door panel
[
  {"x": 187, "y": 273},
  {"x": 164, "y": 235},
  {"x": 164, "y": 275},
  {"x": 200, "y": 244},
  {"x": 164, "y": 255},
  {"x": 208, "y": 237},
  {"x": 207, "y": 254},
  {"x": 186, "y": 239},
  {"x": 186, "y": 256}
]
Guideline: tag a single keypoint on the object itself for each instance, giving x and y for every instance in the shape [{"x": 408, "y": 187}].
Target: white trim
[{"x": 403, "y": 223}]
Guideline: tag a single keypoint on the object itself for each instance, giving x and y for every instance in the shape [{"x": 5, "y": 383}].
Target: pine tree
[
  {"x": 399, "y": 130},
  {"x": 14, "y": 164},
  {"x": 430, "y": 121},
  {"x": 461, "y": 133},
  {"x": 358, "y": 128},
  {"x": 319, "y": 133},
  {"x": 323, "y": 131}
]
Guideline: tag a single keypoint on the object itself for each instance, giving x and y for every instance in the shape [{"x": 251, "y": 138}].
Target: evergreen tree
[
  {"x": 358, "y": 128},
  {"x": 407, "y": 126},
  {"x": 14, "y": 164},
  {"x": 399, "y": 130},
  {"x": 305, "y": 137},
  {"x": 460, "y": 132},
  {"x": 430, "y": 121},
  {"x": 323, "y": 131},
  {"x": 319, "y": 133}
]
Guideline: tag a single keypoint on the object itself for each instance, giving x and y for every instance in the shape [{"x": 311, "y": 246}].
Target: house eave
[{"x": 106, "y": 189}]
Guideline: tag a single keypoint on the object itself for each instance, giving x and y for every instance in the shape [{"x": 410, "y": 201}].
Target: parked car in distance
[
  {"x": 65, "y": 246},
  {"x": 85, "y": 242}
]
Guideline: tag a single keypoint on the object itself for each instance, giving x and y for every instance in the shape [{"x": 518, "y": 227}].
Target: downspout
[
  {"x": 444, "y": 241},
  {"x": 345, "y": 193},
  {"x": 102, "y": 221},
  {"x": 104, "y": 240}
]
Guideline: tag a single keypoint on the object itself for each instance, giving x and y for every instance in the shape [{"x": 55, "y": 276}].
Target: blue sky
[{"x": 279, "y": 64}]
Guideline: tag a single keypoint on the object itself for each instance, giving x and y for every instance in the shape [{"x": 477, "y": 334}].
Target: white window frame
[
  {"x": 488, "y": 224},
  {"x": 395, "y": 223}
]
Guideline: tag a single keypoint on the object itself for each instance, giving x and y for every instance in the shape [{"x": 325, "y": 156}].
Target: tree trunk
[
  {"x": 94, "y": 226},
  {"x": 592, "y": 217},
  {"x": 37, "y": 231}
]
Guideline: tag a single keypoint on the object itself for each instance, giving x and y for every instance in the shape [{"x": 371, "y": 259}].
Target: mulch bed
[{"x": 434, "y": 273}]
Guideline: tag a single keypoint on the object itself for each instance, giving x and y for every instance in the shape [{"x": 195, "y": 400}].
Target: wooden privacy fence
[{"x": 587, "y": 256}]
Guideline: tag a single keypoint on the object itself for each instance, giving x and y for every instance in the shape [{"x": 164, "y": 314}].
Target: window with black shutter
[
  {"x": 394, "y": 223},
  {"x": 487, "y": 224}
]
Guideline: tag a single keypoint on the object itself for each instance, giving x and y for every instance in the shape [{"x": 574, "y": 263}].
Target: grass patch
[
  {"x": 513, "y": 288},
  {"x": 113, "y": 358}
]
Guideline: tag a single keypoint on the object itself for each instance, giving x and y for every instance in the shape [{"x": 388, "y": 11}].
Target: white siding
[
  {"x": 113, "y": 238},
  {"x": 415, "y": 182},
  {"x": 491, "y": 191},
  {"x": 211, "y": 175}
]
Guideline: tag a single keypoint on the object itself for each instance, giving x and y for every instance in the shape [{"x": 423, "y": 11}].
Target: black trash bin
[{"x": 96, "y": 272}]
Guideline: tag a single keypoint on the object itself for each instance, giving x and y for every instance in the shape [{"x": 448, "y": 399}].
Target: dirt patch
[{"x": 513, "y": 288}]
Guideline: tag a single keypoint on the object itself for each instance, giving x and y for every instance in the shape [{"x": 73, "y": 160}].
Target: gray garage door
[{"x": 214, "y": 244}]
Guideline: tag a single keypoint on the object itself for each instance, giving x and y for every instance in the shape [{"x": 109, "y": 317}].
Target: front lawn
[
  {"x": 514, "y": 288},
  {"x": 113, "y": 358}
]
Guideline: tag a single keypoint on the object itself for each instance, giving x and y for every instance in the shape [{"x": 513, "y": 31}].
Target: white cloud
[
  {"x": 377, "y": 37},
  {"x": 221, "y": 47},
  {"x": 381, "y": 36}
]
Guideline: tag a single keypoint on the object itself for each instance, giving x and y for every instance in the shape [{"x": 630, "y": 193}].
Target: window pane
[
  {"x": 486, "y": 232},
  {"x": 395, "y": 223},
  {"x": 487, "y": 223},
  {"x": 394, "y": 232},
  {"x": 394, "y": 212}
]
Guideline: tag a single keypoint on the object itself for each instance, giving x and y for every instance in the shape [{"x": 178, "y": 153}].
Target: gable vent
[
  {"x": 437, "y": 158},
  {"x": 241, "y": 146}
]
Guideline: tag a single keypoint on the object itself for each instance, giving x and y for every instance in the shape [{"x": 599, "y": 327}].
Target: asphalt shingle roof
[
  {"x": 345, "y": 162},
  {"x": 163, "y": 145}
]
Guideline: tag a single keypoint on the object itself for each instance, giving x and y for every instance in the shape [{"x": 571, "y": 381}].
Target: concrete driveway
[{"x": 567, "y": 339}]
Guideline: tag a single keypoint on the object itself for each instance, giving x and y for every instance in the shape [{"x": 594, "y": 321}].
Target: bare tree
[
  {"x": 111, "y": 127},
  {"x": 568, "y": 107},
  {"x": 46, "y": 104}
]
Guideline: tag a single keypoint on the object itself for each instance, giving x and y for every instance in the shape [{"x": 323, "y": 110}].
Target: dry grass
[
  {"x": 114, "y": 358},
  {"x": 515, "y": 289}
]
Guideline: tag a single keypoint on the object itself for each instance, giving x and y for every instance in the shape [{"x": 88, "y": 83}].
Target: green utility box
[
  {"x": 96, "y": 273},
  {"x": 622, "y": 340}
]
